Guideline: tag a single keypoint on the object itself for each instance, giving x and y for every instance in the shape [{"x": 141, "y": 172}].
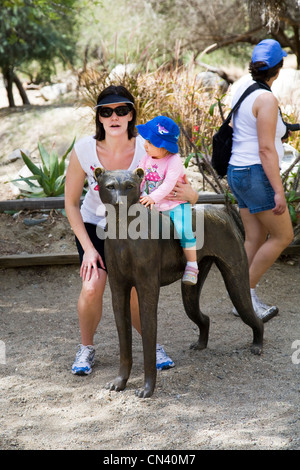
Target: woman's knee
[
  {"x": 94, "y": 288},
  {"x": 279, "y": 227},
  {"x": 287, "y": 233},
  {"x": 288, "y": 236},
  {"x": 255, "y": 239}
]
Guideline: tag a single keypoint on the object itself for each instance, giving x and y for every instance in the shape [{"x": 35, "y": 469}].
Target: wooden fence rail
[
  {"x": 26, "y": 260},
  {"x": 14, "y": 261},
  {"x": 59, "y": 202},
  {"x": 33, "y": 204}
]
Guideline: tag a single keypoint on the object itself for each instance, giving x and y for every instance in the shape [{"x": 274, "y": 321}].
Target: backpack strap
[{"x": 250, "y": 89}]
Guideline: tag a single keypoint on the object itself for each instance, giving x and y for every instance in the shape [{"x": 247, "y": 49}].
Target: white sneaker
[
  {"x": 262, "y": 311},
  {"x": 266, "y": 315},
  {"x": 84, "y": 360},
  {"x": 234, "y": 311},
  {"x": 163, "y": 361}
]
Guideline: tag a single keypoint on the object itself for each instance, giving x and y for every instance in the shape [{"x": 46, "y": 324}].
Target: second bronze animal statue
[{"x": 148, "y": 262}]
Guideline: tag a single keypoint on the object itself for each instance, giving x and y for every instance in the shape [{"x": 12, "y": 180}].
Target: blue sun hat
[
  {"x": 268, "y": 51},
  {"x": 162, "y": 132}
]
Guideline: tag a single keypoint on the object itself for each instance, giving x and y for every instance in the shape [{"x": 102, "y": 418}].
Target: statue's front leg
[
  {"x": 121, "y": 307},
  {"x": 148, "y": 295}
]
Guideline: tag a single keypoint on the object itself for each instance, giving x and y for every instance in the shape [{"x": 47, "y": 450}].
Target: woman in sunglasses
[{"x": 115, "y": 146}]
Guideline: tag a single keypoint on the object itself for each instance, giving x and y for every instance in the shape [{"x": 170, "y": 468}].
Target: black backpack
[{"x": 222, "y": 140}]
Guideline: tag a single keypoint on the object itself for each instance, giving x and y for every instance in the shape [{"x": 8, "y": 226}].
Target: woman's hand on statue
[{"x": 183, "y": 192}]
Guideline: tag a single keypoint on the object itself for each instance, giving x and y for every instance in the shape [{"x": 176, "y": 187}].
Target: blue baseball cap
[
  {"x": 162, "y": 132},
  {"x": 268, "y": 51}
]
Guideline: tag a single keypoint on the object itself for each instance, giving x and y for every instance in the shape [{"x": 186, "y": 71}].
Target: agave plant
[{"x": 47, "y": 179}]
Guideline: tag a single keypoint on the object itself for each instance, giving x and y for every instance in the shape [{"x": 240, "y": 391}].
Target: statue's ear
[
  {"x": 139, "y": 172},
  {"x": 98, "y": 172}
]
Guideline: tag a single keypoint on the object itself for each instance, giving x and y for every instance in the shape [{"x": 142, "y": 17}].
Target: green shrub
[{"x": 48, "y": 179}]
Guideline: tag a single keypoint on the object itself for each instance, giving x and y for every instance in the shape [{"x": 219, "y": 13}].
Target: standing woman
[
  {"x": 114, "y": 147},
  {"x": 254, "y": 170}
]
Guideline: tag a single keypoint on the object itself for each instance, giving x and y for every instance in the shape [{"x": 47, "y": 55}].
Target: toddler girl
[{"x": 163, "y": 168}]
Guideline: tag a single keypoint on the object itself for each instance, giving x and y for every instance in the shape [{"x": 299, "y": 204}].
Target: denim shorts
[{"x": 251, "y": 188}]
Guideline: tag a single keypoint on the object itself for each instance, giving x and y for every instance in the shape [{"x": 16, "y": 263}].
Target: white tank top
[
  {"x": 245, "y": 149},
  {"x": 92, "y": 208}
]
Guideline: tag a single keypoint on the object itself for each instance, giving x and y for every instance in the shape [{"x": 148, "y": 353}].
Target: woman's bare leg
[
  {"x": 266, "y": 236},
  {"x": 90, "y": 306},
  {"x": 281, "y": 235},
  {"x": 261, "y": 251},
  {"x": 135, "y": 313},
  {"x": 90, "y": 313}
]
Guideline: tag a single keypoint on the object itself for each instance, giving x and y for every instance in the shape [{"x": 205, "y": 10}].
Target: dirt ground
[{"x": 220, "y": 398}]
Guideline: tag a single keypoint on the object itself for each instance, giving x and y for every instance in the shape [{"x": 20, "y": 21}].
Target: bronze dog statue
[{"x": 146, "y": 263}]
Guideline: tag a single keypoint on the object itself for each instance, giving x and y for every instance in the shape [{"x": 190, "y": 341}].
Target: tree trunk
[
  {"x": 297, "y": 44},
  {"x": 22, "y": 92},
  {"x": 8, "y": 81}
]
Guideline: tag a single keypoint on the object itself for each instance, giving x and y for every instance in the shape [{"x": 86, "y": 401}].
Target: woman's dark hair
[
  {"x": 263, "y": 75},
  {"x": 121, "y": 91}
]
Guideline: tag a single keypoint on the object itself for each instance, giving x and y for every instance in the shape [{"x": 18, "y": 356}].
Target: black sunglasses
[{"x": 106, "y": 112}]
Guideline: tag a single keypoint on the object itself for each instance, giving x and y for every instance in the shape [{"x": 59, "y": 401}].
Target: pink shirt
[{"x": 161, "y": 175}]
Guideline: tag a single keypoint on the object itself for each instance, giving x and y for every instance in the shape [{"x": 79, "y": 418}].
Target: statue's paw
[
  {"x": 198, "y": 346},
  {"x": 146, "y": 392},
  {"x": 117, "y": 385},
  {"x": 256, "y": 349}
]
